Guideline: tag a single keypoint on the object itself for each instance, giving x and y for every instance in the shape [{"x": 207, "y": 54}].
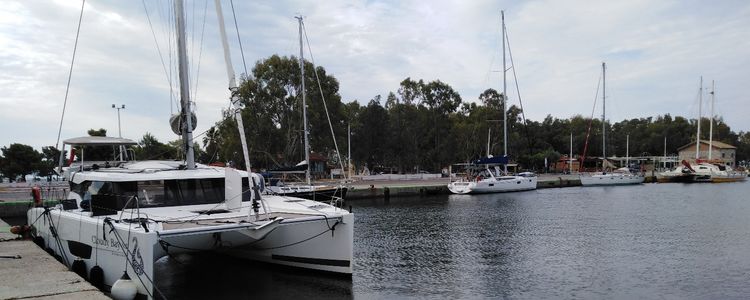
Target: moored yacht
[
  {"x": 621, "y": 176},
  {"x": 486, "y": 180},
  {"x": 122, "y": 215},
  {"x": 683, "y": 173},
  {"x": 125, "y": 215},
  {"x": 708, "y": 172}
]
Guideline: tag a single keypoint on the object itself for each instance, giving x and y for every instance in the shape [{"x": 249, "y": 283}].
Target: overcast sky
[{"x": 655, "y": 51}]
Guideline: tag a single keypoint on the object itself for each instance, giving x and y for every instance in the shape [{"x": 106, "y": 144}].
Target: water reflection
[
  {"x": 644, "y": 241},
  {"x": 208, "y": 276}
]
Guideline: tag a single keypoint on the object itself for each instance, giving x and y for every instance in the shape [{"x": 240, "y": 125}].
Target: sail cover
[{"x": 495, "y": 160}]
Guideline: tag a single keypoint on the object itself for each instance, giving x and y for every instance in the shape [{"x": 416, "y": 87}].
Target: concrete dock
[
  {"x": 28, "y": 272},
  {"x": 399, "y": 188}
]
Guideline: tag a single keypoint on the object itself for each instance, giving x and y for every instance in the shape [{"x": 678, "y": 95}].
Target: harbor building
[{"x": 720, "y": 152}]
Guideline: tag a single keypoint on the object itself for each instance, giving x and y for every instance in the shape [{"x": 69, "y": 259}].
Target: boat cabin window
[{"x": 110, "y": 197}]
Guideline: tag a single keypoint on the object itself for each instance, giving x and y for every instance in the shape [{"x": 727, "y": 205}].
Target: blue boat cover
[{"x": 496, "y": 160}]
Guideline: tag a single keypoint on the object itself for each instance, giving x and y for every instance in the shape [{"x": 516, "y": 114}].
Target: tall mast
[
  {"x": 237, "y": 111},
  {"x": 304, "y": 100},
  {"x": 570, "y": 157},
  {"x": 187, "y": 120},
  {"x": 489, "y": 136},
  {"x": 505, "y": 96},
  {"x": 627, "y": 151},
  {"x": 698, "y": 135},
  {"x": 232, "y": 84},
  {"x": 604, "y": 111},
  {"x": 711, "y": 127},
  {"x": 664, "y": 164}
]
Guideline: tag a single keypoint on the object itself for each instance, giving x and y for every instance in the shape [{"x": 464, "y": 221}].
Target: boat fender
[
  {"x": 96, "y": 276},
  {"x": 20, "y": 229},
  {"x": 79, "y": 267},
  {"x": 36, "y": 193},
  {"x": 124, "y": 288}
]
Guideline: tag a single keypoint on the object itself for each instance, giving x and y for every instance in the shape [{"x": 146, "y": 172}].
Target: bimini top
[{"x": 99, "y": 141}]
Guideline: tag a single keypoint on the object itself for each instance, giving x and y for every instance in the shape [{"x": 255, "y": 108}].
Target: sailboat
[
  {"x": 617, "y": 176},
  {"x": 307, "y": 190},
  {"x": 710, "y": 170},
  {"x": 493, "y": 180},
  {"x": 122, "y": 215}
]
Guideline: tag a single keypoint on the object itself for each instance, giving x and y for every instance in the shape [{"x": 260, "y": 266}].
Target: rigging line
[
  {"x": 70, "y": 75},
  {"x": 492, "y": 61},
  {"x": 158, "y": 49},
  {"x": 237, "y": 29},
  {"x": 320, "y": 87},
  {"x": 518, "y": 92},
  {"x": 200, "y": 52},
  {"x": 192, "y": 31},
  {"x": 170, "y": 41},
  {"x": 591, "y": 121}
]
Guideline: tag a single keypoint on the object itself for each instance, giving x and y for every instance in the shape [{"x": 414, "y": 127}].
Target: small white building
[{"x": 720, "y": 152}]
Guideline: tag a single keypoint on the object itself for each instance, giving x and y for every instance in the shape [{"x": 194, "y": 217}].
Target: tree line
[{"x": 422, "y": 125}]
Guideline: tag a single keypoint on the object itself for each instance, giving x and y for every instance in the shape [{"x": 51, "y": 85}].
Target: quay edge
[{"x": 35, "y": 274}]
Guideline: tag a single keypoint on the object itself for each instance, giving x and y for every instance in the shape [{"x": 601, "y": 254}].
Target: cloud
[{"x": 655, "y": 53}]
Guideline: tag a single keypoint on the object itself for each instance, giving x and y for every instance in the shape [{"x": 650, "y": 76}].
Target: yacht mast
[
  {"x": 604, "y": 114},
  {"x": 627, "y": 151},
  {"x": 711, "y": 127},
  {"x": 237, "y": 111},
  {"x": 698, "y": 135},
  {"x": 489, "y": 136},
  {"x": 570, "y": 156},
  {"x": 187, "y": 120},
  {"x": 304, "y": 101},
  {"x": 232, "y": 84},
  {"x": 505, "y": 96}
]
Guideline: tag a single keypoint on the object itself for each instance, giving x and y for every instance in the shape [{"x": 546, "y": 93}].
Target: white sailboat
[
  {"x": 307, "y": 190},
  {"x": 493, "y": 180},
  {"x": 619, "y": 176},
  {"x": 121, "y": 216},
  {"x": 710, "y": 170}
]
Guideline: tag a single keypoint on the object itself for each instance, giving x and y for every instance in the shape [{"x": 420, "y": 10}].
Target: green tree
[
  {"x": 272, "y": 115},
  {"x": 19, "y": 160},
  {"x": 150, "y": 148},
  {"x": 50, "y": 159}
]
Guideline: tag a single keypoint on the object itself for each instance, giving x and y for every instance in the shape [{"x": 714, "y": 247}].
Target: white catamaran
[
  {"x": 618, "y": 176},
  {"x": 122, "y": 215},
  {"x": 493, "y": 180}
]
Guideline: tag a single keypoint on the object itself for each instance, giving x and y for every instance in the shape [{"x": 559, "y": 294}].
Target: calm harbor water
[{"x": 674, "y": 241}]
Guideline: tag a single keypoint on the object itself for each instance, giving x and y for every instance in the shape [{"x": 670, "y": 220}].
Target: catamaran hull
[
  {"x": 316, "y": 243},
  {"x": 71, "y": 236},
  {"x": 497, "y": 186},
  {"x": 611, "y": 179}
]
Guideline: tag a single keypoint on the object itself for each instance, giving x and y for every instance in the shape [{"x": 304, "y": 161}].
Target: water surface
[{"x": 674, "y": 241}]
